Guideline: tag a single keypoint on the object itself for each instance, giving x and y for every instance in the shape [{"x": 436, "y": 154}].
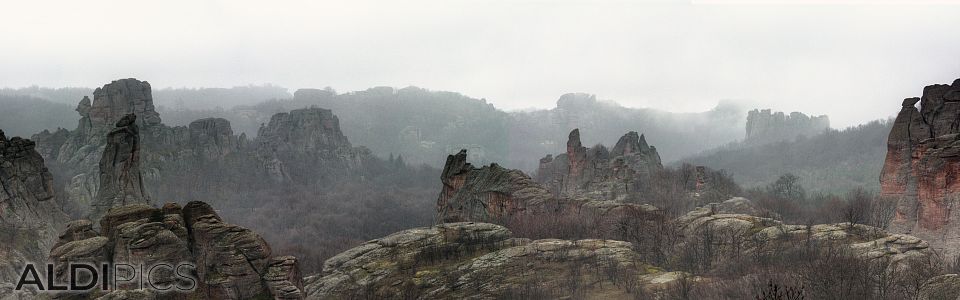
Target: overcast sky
[{"x": 854, "y": 61}]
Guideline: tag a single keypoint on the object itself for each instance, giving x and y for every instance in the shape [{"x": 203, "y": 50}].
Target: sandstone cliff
[
  {"x": 599, "y": 173},
  {"x": 921, "y": 166}
]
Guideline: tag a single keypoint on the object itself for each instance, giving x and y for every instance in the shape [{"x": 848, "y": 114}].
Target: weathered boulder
[
  {"x": 481, "y": 261},
  {"x": 599, "y": 173},
  {"x": 923, "y": 156}
]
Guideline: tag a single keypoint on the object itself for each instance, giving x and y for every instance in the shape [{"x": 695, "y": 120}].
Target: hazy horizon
[{"x": 853, "y": 62}]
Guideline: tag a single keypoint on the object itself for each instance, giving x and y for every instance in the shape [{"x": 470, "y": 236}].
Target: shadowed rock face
[
  {"x": 29, "y": 213},
  {"x": 921, "y": 167},
  {"x": 599, "y": 173},
  {"x": 232, "y": 262}
]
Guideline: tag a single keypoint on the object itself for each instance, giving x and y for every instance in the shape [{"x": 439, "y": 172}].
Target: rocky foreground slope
[
  {"x": 231, "y": 262},
  {"x": 921, "y": 167},
  {"x": 484, "y": 261},
  {"x": 469, "y": 260}
]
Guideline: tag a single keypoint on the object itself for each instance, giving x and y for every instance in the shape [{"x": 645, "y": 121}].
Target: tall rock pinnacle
[{"x": 120, "y": 180}]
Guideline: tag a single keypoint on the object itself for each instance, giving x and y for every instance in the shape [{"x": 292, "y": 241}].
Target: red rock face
[{"x": 922, "y": 167}]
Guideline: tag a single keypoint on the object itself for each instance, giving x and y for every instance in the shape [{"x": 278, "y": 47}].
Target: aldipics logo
[{"x": 80, "y": 277}]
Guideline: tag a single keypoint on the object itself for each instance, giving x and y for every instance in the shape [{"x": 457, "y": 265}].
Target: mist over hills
[{"x": 423, "y": 125}]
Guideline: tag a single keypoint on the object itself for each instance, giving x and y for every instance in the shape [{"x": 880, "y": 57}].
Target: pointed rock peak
[
  {"x": 630, "y": 143},
  {"x": 643, "y": 142},
  {"x": 3, "y": 137},
  {"x": 573, "y": 140}
]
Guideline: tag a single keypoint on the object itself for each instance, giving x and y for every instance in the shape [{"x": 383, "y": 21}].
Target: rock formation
[
  {"x": 731, "y": 224},
  {"x": 295, "y": 145},
  {"x": 764, "y": 126},
  {"x": 231, "y": 262},
  {"x": 494, "y": 194},
  {"x": 599, "y": 173},
  {"x": 29, "y": 213},
  {"x": 213, "y": 139},
  {"x": 77, "y": 153},
  {"x": 482, "y": 261},
  {"x": 304, "y": 146},
  {"x": 921, "y": 166},
  {"x": 487, "y": 193},
  {"x": 120, "y": 180}
]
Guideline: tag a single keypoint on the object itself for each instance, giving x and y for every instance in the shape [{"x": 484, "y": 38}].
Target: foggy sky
[{"x": 854, "y": 61}]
